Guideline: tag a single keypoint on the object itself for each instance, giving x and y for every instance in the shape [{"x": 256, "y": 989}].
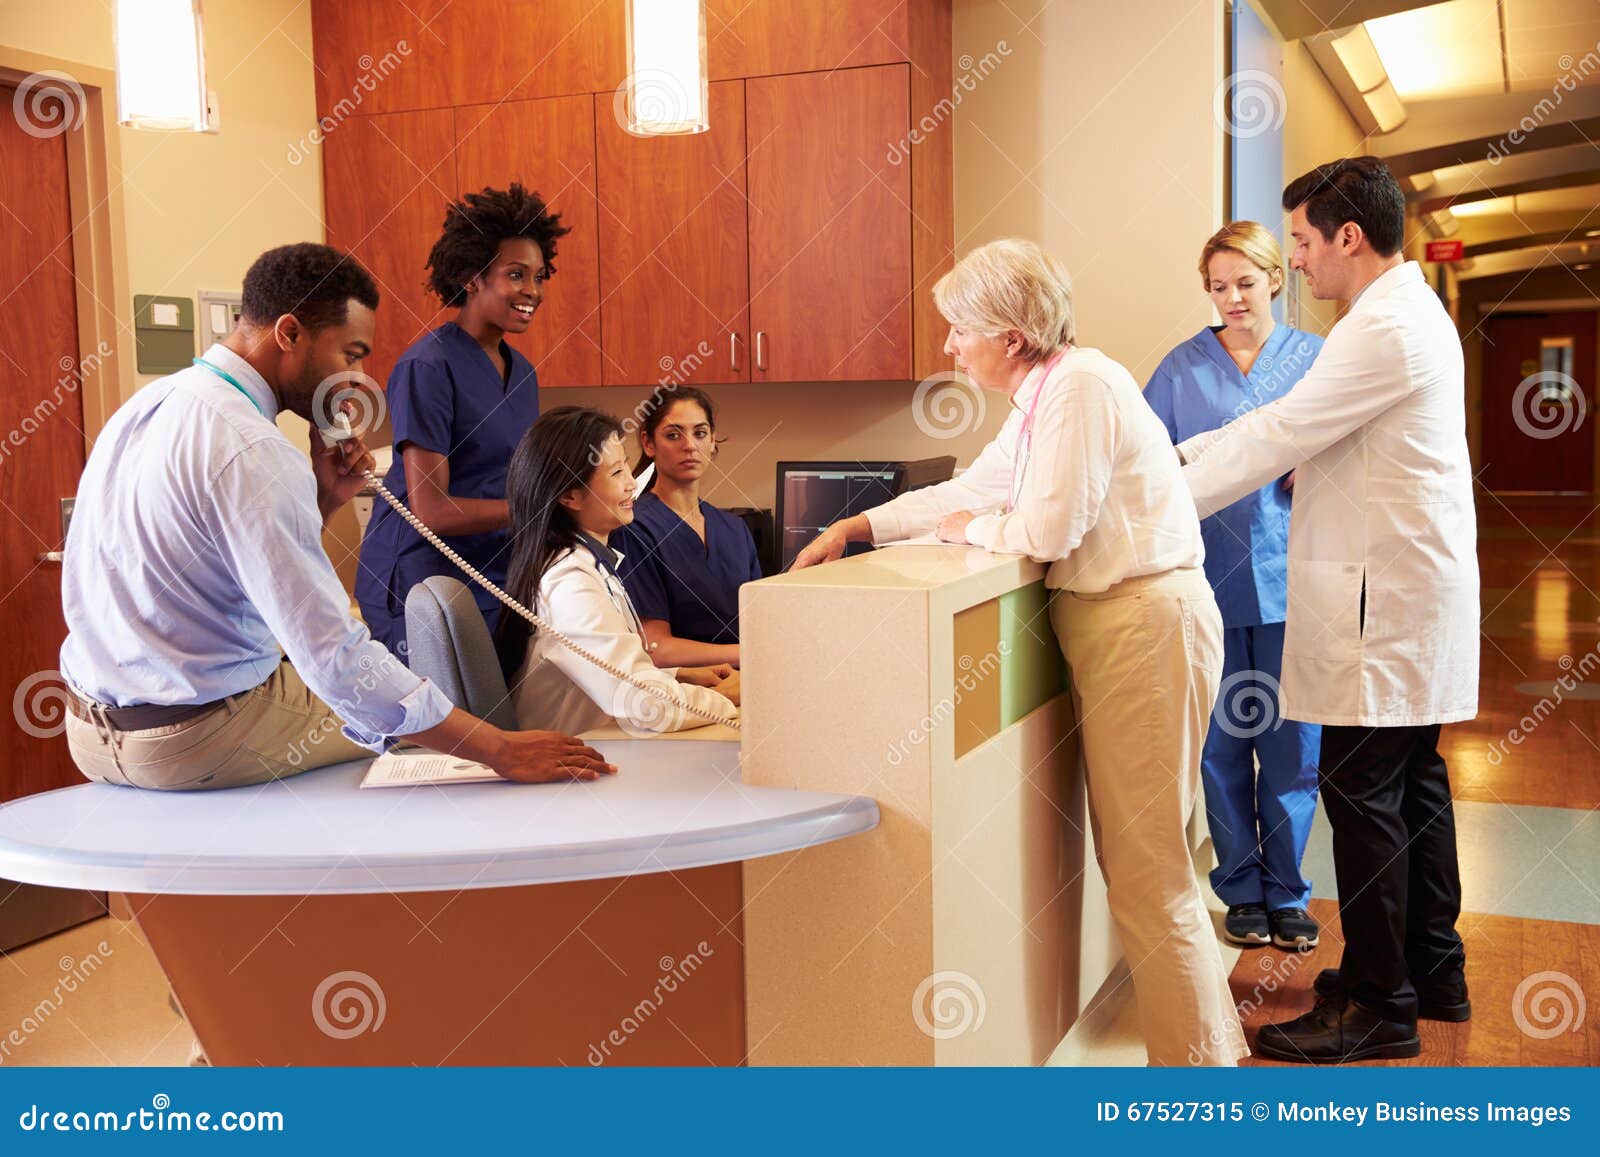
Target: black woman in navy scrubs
[
  {"x": 683, "y": 560},
  {"x": 460, "y": 400}
]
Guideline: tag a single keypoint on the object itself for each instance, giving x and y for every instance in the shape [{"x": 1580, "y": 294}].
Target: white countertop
[{"x": 671, "y": 806}]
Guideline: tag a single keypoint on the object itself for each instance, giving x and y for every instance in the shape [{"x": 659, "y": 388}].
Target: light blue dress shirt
[
  {"x": 1198, "y": 388},
  {"x": 195, "y": 552}
]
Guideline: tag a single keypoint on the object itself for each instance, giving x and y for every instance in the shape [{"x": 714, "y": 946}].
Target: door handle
[
  {"x": 761, "y": 350},
  {"x": 54, "y": 556},
  {"x": 733, "y": 352}
]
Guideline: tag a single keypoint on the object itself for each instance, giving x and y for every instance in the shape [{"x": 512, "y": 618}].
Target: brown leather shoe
[
  {"x": 1444, "y": 1003},
  {"x": 1336, "y": 1032}
]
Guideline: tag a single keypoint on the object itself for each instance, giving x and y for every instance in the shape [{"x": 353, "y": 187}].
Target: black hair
[
  {"x": 313, "y": 282},
  {"x": 1358, "y": 189},
  {"x": 474, "y": 228},
  {"x": 560, "y": 452},
  {"x": 657, "y": 406}
]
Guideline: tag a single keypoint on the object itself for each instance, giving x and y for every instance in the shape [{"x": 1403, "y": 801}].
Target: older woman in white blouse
[{"x": 1082, "y": 477}]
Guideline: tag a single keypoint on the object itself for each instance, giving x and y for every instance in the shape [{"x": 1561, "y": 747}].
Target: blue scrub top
[
  {"x": 445, "y": 395},
  {"x": 670, "y": 574},
  {"x": 1198, "y": 387}
]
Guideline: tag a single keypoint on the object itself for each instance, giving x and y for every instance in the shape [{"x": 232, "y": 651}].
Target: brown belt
[{"x": 142, "y": 717}]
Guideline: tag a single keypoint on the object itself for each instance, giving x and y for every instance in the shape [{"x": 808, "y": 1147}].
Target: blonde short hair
[
  {"x": 1006, "y": 285},
  {"x": 1249, "y": 239}
]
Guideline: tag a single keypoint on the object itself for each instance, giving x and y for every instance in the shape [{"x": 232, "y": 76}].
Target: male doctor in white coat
[{"x": 1381, "y": 641}]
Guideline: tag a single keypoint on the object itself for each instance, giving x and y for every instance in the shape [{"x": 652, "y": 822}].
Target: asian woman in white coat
[
  {"x": 1082, "y": 477},
  {"x": 569, "y": 486},
  {"x": 1381, "y": 640}
]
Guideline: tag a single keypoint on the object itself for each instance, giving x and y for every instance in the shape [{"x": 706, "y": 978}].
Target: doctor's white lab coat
[{"x": 1382, "y": 504}]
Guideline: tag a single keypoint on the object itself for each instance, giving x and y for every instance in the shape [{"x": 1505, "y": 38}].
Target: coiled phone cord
[{"x": 421, "y": 528}]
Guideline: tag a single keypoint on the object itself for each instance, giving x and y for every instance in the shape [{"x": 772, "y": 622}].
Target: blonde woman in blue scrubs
[{"x": 1259, "y": 822}]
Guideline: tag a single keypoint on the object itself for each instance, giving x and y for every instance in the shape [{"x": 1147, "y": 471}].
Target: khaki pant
[
  {"x": 1146, "y": 659},
  {"x": 275, "y": 730}
]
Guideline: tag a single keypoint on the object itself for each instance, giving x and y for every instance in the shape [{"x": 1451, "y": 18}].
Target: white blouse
[
  {"x": 558, "y": 690},
  {"x": 1089, "y": 484}
]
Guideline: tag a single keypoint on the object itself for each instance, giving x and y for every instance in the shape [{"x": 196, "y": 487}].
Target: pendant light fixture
[
  {"x": 161, "y": 65},
  {"x": 667, "y": 91}
]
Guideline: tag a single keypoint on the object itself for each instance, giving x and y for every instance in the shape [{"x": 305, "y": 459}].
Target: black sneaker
[
  {"x": 1446, "y": 1002},
  {"x": 1293, "y": 929},
  {"x": 1246, "y": 924}
]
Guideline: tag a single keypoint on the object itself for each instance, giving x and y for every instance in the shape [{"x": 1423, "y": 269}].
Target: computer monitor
[{"x": 811, "y": 495}]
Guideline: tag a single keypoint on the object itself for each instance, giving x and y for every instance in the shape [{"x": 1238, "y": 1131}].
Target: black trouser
[{"x": 1387, "y": 793}]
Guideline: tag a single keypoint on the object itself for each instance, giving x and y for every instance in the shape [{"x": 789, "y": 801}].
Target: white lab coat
[
  {"x": 1383, "y": 495},
  {"x": 558, "y": 690}
]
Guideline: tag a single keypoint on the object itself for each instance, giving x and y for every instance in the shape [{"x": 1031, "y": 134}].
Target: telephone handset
[{"x": 342, "y": 430}]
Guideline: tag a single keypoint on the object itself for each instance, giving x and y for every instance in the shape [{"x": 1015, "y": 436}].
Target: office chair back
[{"x": 450, "y": 645}]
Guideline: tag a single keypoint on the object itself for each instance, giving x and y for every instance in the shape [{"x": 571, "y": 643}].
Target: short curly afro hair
[
  {"x": 474, "y": 228},
  {"x": 313, "y": 282}
]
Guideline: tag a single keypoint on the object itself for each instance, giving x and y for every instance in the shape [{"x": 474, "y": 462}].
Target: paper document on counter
[{"x": 411, "y": 768}]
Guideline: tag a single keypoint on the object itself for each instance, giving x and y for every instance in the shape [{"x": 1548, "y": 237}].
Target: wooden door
[
  {"x": 830, "y": 225},
  {"x": 41, "y": 457},
  {"x": 549, "y": 146},
  {"x": 767, "y": 37},
  {"x": 674, "y": 250},
  {"x": 1538, "y": 429},
  {"x": 387, "y": 180}
]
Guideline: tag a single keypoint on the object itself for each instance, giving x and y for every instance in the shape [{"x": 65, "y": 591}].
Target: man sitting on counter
[{"x": 210, "y": 643}]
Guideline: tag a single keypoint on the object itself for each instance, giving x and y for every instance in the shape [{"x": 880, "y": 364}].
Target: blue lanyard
[{"x": 232, "y": 381}]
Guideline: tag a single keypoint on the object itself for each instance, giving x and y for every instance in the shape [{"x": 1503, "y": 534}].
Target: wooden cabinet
[
  {"x": 673, "y": 249},
  {"x": 386, "y": 182},
  {"x": 375, "y": 56},
  {"x": 830, "y": 225},
  {"x": 548, "y": 145},
  {"x": 767, "y": 37},
  {"x": 518, "y": 49}
]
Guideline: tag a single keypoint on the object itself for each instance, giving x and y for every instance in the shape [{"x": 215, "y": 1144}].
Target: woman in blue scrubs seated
[
  {"x": 1259, "y": 823},
  {"x": 683, "y": 560},
  {"x": 569, "y": 488},
  {"x": 460, "y": 398}
]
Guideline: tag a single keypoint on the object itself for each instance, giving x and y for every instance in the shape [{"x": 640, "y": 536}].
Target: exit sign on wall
[{"x": 1445, "y": 250}]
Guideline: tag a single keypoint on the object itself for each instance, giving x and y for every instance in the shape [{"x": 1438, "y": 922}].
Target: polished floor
[{"x": 1525, "y": 775}]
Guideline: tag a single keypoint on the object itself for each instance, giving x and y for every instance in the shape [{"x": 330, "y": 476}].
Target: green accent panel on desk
[
  {"x": 976, "y": 705},
  {"x": 1032, "y": 670}
]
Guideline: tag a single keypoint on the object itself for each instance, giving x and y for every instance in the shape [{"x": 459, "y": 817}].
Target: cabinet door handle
[
  {"x": 733, "y": 352},
  {"x": 51, "y": 556},
  {"x": 761, "y": 350}
]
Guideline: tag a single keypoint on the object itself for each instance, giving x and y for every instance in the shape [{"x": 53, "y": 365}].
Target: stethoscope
[
  {"x": 605, "y": 557},
  {"x": 232, "y": 381},
  {"x": 1024, "y": 455}
]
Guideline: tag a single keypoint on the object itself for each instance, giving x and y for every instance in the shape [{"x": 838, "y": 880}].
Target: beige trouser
[
  {"x": 1146, "y": 659},
  {"x": 275, "y": 730}
]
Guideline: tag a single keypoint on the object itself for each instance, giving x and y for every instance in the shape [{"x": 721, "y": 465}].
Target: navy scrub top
[
  {"x": 445, "y": 395},
  {"x": 1198, "y": 388},
  {"x": 670, "y": 574}
]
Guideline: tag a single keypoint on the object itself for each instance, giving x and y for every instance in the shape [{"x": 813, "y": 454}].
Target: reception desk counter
[{"x": 970, "y": 926}]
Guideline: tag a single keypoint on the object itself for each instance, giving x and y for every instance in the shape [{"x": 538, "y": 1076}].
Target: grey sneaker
[
  {"x": 1246, "y": 924},
  {"x": 1293, "y": 929}
]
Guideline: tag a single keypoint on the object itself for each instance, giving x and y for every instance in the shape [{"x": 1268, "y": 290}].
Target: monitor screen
[{"x": 813, "y": 494}]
